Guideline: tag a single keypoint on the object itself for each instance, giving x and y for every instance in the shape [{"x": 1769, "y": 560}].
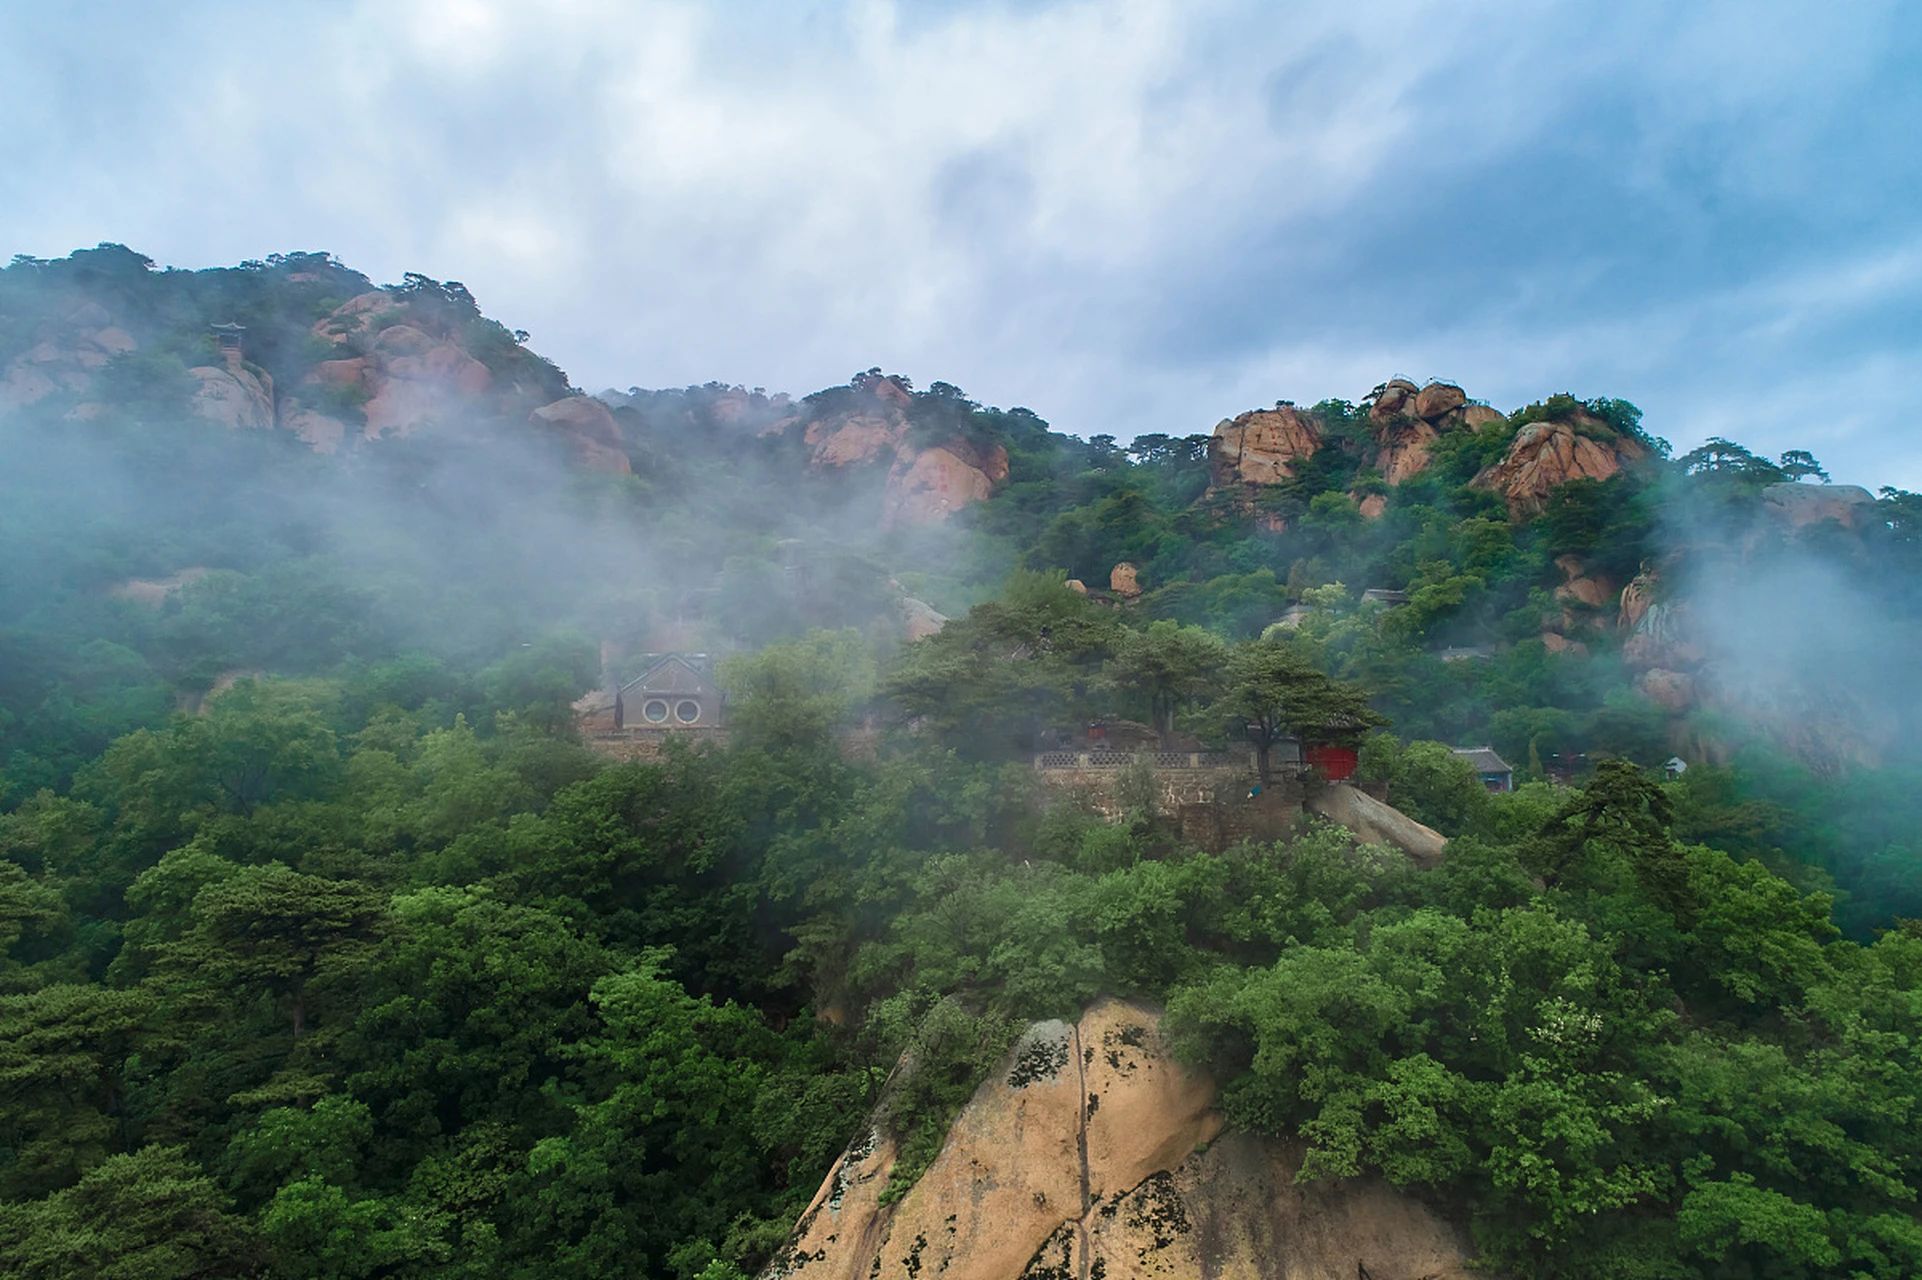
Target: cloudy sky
[{"x": 1129, "y": 217}]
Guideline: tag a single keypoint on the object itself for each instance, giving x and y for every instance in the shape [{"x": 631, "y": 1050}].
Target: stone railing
[{"x": 1107, "y": 758}]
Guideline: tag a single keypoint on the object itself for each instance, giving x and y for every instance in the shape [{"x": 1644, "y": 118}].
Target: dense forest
[{"x": 328, "y": 948}]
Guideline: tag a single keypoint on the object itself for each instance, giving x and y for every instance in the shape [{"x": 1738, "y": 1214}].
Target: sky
[{"x": 1128, "y": 217}]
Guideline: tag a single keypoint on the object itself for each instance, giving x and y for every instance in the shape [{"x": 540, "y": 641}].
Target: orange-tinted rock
[
  {"x": 1261, "y": 447},
  {"x": 1437, "y": 399},
  {"x": 1125, "y": 580},
  {"x": 1396, "y": 397},
  {"x": 1402, "y": 448},
  {"x": 339, "y": 373},
  {"x": 1091, "y": 1152},
  {"x": 1637, "y": 596},
  {"x": 1477, "y": 416},
  {"x": 1545, "y": 455},
  {"x": 855, "y": 439},
  {"x": 929, "y": 486},
  {"x": 1579, "y": 587},
  {"x": 1077, "y": 586},
  {"x": 1556, "y": 642},
  {"x": 1372, "y": 506},
  {"x": 589, "y": 430}
]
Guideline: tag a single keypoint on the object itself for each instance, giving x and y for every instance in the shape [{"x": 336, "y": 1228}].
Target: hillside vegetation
[{"x": 328, "y": 949}]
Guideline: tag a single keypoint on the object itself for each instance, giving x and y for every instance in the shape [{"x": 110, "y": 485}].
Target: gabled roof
[
  {"x": 671, "y": 675},
  {"x": 1483, "y": 758}
]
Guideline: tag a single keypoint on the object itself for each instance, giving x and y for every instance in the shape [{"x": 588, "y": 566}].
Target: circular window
[
  {"x": 655, "y": 711},
  {"x": 687, "y": 711}
]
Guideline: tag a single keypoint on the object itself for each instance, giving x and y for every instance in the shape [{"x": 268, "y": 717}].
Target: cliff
[
  {"x": 936, "y": 464},
  {"x": 1092, "y": 1153},
  {"x": 1545, "y": 455}
]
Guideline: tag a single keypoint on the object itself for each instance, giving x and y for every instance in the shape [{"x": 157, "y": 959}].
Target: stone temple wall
[{"x": 1210, "y": 805}]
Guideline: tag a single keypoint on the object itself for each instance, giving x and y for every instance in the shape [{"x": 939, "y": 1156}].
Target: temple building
[{"x": 675, "y": 693}]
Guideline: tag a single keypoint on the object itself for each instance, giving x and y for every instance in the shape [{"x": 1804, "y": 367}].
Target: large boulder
[
  {"x": 589, "y": 430},
  {"x": 404, "y": 376},
  {"x": 1396, "y": 398},
  {"x": 1401, "y": 448},
  {"x": 854, "y": 439},
  {"x": 1799, "y": 505},
  {"x": 1091, "y": 1152},
  {"x": 1124, "y": 580},
  {"x": 1581, "y": 587},
  {"x": 1376, "y": 822},
  {"x": 1546, "y": 455},
  {"x": 1438, "y": 399},
  {"x": 236, "y": 395},
  {"x": 1261, "y": 447}
]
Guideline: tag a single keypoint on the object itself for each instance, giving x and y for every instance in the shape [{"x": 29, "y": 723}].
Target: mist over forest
[{"x": 1498, "y": 809}]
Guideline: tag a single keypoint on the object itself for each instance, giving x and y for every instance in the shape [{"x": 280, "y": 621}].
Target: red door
[{"x": 1337, "y": 764}]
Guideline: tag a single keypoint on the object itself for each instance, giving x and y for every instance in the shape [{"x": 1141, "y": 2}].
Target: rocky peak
[
  {"x": 401, "y": 375},
  {"x": 871, "y": 422},
  {"x": 589, "y": 431},
  {"x": 1544, "y": 455},
  {"x": 1261, "y": 447},
  {"x": 1800, "y": 505},
  {"x": 1407, "y": 420}
]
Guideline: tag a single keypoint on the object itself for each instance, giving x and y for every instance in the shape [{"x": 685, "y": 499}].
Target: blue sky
[{"x": 1128, "y": 217}]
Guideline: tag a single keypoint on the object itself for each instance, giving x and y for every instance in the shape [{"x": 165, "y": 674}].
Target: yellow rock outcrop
[{"x": 1092, "y": 1153}]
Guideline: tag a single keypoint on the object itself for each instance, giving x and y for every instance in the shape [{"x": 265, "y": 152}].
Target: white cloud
[{"x": 1019, "y": 198}]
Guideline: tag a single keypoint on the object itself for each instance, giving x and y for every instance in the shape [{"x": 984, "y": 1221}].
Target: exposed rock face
[
  {"x": 1408, "y": 421},
  {"x": 1637, "y": 596},
  {"x": 1579, "y": 587},
  {"x": 408, "y": 376},
  {"x": 855, "y": 439},
  {"x": 1556, "y": 642},
  {"x": 1670, "y": 690},
  {"x": 1375, "y": 822},
  {"x": 1437, "y": 399},
  {"x": 928, "y": 486},
  {"x": 1125, "y": 580},
  {"x": 1082, "y": 1157},
  {"x": 235, "y": 396},
  {"x": 925, "y": 485},
  {"x": 1544, "y": 455},
  {"x": 590, "y": 431},
  {"x": 1261, "y": 447},
  {"x": 919, "y": 619},
  {"x": 1372, "y": 506},
  {"x": 1799, "y": 505},
  {"x": 1402, "y": 449},
  {"x": 1396, "y": 399},
  {"x": 321, "y": 433},
  {"x": 1477, "y": 416},
  {"x": 68, "y": 354},
  {"x": 155, "y": 592}
]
